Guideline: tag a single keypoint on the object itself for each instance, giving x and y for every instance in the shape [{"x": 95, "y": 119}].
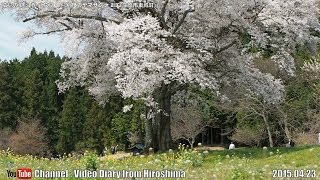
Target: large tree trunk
[
  {"x": 285, "y": 124},
  {"x": 148, "y": 130},
  {"x": 265, "y": 119},
  {"x": 286, "y": 129},
  {"x": 158, "y": 134}
]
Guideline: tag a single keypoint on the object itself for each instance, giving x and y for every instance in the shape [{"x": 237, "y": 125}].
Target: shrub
[
  {"x": 186, "y": 123},
  {"x": 190, "y": 156},
  {"x": 29, "y": 138},
  {"x": 4, "y": 138},
  {"x": 248, "y": 136},
  {"x": 305, "y": 138},
  {"x": 91, "y": 160}
]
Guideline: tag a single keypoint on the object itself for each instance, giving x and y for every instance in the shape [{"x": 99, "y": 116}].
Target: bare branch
[
  {"x": 182, "y": 20},
  {"x": 163, "y": 23},
  {"x": 163, "y": 9},
  {"x": 217, "y": 51},
  {"x": 98, "y": 18},
  {"x": 103, "y": 30},
  {"x": 51, "y": 32},
  {"x": 187, "y": 123},
  {"x": 225, "y": 47},
  {"x": 255, "y": 15},
  {"x": 65, "y": 25},
  {"x": 72, "y": 22}
]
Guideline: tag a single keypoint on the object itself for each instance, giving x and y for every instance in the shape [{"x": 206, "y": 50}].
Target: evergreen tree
[
  {"x": 70, "y": 132},
  {"x": 95, "y": 126},
  {"x": 41, "y": 99},
  {"x": 10, "y": 94}
]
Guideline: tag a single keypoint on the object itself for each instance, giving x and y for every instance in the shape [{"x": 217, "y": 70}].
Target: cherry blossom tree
[{"x": 150, "y": 51}]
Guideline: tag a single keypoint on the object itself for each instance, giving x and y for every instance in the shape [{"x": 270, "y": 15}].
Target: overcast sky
[{"x": 9, "y": 36}]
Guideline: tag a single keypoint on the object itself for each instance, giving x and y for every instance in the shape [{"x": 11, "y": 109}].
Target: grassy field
[{"x": 242, "y": 163}]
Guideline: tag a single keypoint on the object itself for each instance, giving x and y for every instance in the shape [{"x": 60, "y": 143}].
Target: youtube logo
[{"x": 24, "y": 173}]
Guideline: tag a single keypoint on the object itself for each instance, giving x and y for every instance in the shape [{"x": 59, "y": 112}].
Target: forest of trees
[
  {"x": 32, "y": 110},
  {"x": 70, "y": 121}
]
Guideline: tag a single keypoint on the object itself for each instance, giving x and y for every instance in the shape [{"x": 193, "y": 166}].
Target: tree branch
[
  {"x": 255, "y": 15},
  {"x": 182, "y": 20},
  {"x": 65, "y": 25},
  {"x": 225, "y": 47},
  {"x": 161, "y": 15},
  {"x": 217, "y": 51},
  {"x": 71, "y": 22},
  {"x": 98, "y": 18},
  {"x": 50, "y": 32},
  {"x": 102, "y": 26},
  {"x": 163, "y": 9}
]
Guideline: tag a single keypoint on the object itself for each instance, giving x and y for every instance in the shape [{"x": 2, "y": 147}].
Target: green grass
[
  {"x": 245, "y": 163},
  {"x": 242, "y": 163}
]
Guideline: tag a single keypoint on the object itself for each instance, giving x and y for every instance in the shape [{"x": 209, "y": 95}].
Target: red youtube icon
[{"x": 24, "y": 173}]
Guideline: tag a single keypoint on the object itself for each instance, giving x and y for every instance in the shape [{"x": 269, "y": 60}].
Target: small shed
[{"x": 136, "y": 148}]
